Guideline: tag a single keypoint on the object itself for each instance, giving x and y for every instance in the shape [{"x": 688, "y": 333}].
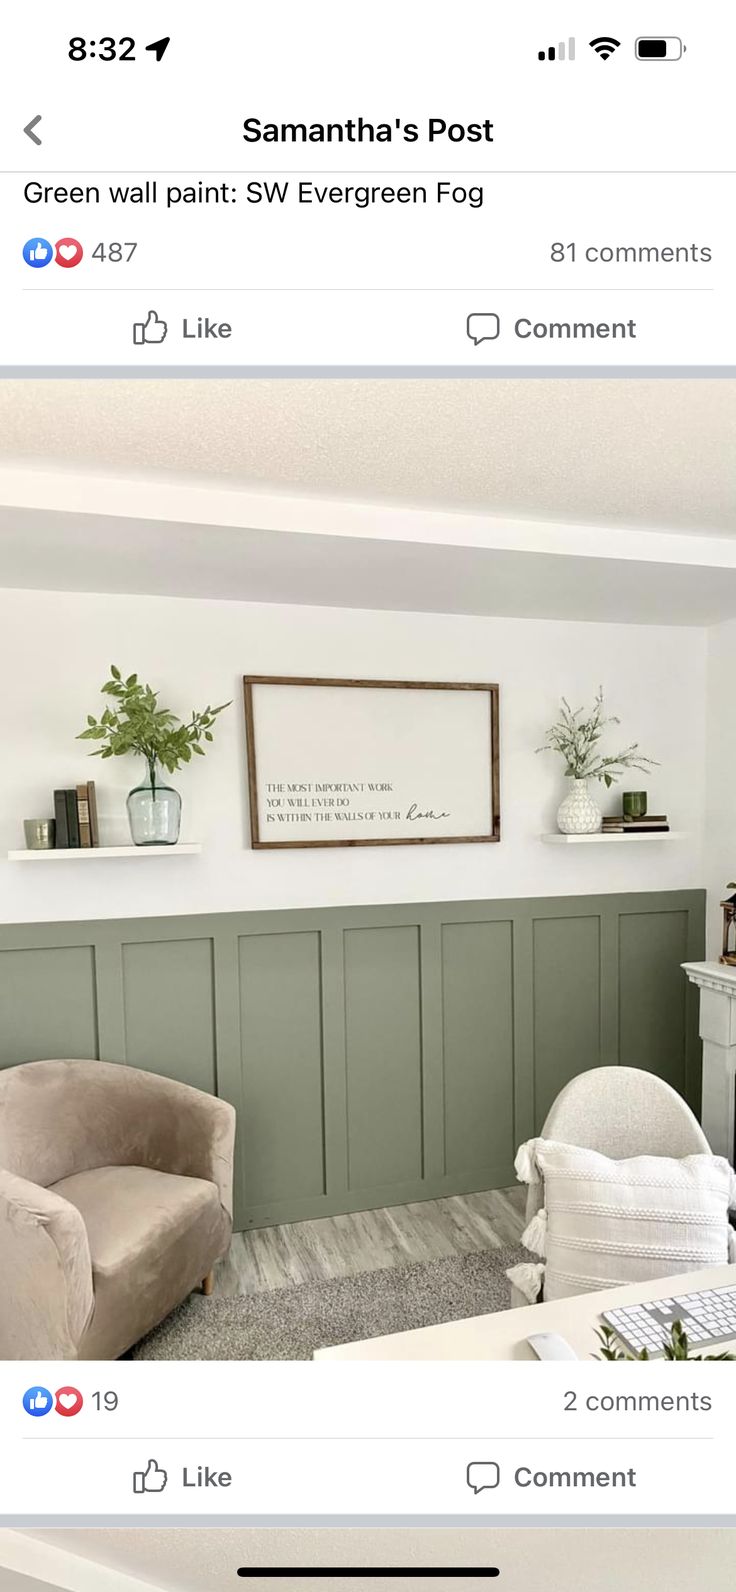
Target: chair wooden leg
[{"x": 208, "y": 1283}]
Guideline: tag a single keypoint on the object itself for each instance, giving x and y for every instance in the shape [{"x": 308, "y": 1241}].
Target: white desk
[{"x": 502, "y": 1336}]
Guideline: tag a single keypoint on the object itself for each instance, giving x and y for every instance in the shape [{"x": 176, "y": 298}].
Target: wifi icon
[{"x": 605, "y": 47}]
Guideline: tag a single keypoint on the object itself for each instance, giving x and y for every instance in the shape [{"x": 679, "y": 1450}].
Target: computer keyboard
[{"x": 707, "y": 1318}]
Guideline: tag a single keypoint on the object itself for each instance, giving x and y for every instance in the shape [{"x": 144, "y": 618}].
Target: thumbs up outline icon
[
  {"x": 152, "y": 330},
  {"x": 153, "y": 1479}
]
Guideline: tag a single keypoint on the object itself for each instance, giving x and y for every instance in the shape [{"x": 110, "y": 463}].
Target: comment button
[
  {"x": 483, "y": 328},
  {"x": 482, "y": 1474}
]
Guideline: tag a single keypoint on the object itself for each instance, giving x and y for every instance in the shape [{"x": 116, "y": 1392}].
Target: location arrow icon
[
  {"x": 34, "y": 123},
  {"x": 158, "y": 47}
]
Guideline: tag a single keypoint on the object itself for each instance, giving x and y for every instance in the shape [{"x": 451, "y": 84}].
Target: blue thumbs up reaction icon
[
  {"x": 38, "y": 1401},
  {"x": 38, "y": 252}
]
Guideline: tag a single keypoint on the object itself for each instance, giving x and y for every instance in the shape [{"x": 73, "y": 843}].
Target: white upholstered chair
[{"x": 620, "y": 1112}]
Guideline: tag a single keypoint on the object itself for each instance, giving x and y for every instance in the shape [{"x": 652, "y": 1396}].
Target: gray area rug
[{"x": 290, "y": 1323}]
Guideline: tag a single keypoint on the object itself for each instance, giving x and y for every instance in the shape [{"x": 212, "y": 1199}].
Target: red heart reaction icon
[
  {"x": 69, "y": 1401},
  {"x": 68, "y": 252}
]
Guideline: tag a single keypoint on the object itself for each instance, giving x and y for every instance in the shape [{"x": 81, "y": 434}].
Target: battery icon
[{"x": 661, "y": 49}]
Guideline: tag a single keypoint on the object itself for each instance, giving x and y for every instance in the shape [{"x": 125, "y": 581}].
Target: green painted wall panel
[
  {"x": 567, "y": 1004},
  {"x": 47, "y": 1003},
  {"x": 282, "y": 1120},
  {"x": 478, "y": 1046},
  {"x": 653, "y": 993},
  {"x": 374, "y": 1054},
  {"x": 169, "y": 1009},
  {"x": 383, "y": 1055}
]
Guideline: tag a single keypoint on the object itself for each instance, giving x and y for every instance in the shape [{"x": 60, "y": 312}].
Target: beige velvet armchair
[{"x": 115, "y": 1202}]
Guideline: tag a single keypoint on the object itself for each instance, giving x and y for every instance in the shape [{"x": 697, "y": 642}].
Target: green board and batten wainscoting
[{"x": 375, "y": 1055}]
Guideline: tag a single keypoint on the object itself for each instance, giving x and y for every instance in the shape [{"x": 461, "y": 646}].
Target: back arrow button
[{"x": 29, "y": 129}]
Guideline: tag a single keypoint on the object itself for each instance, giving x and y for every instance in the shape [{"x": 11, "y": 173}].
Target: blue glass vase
[{"x": 154, "y": 812}]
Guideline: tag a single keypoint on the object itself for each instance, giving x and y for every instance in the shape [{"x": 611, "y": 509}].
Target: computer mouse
[{"x": 550, "y": 1346}]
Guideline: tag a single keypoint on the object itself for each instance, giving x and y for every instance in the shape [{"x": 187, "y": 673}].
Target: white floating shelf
[
  {"x": 95, "y": 853},
  {"x": 610, "y": 840}
]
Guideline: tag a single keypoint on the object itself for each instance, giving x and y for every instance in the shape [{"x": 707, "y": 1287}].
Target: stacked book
[
  {"x": 75, "y": 812},
  {"x": 651, "y": 824}
]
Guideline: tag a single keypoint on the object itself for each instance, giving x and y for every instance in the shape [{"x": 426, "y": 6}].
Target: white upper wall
[{"x": 56, "y": 648}]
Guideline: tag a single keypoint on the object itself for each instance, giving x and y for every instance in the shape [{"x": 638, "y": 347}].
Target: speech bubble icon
[
  {"x": 483, "y": 1474},
  {"x": 483, "y": 328}
]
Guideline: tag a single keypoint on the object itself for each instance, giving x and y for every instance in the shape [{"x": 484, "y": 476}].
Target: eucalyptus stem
[
  {"x": 576, "y": 737},
  {"x": 133, "y": 722}
]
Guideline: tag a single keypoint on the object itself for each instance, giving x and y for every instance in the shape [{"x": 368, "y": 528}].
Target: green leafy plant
[
  {"x": 135, "y": 723},
  {"x": 577, "y": 735},
  {"x": 676, "y": 1347}
]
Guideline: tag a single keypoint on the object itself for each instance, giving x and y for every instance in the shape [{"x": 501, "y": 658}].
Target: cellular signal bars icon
[{"x": 558, "y": 52}]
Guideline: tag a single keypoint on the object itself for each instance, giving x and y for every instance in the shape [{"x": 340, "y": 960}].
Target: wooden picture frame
[{"x": 483, "y": 763}]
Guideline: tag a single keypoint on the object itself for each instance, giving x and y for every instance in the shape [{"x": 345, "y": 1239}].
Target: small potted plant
[
  {"x": 136, "y": 724},
  {"x": 676, "y": 1347},
  {"x": 576, "y": 737}
]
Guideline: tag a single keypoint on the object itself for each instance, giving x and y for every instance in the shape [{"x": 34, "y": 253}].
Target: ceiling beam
[{"x": 53, "y": 1567}]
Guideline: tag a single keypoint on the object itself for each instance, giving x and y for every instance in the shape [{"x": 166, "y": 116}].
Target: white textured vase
[{"x": 579, "y": 814}]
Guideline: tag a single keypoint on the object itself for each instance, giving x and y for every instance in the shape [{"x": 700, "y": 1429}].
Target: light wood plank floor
[{"x": 341, "y": 1246}]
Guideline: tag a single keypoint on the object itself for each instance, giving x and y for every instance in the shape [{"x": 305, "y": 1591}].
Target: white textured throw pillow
[{"x": 605, "y": 1222}]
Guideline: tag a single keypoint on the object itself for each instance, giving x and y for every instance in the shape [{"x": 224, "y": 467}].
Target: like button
[
  {"x": 152, "y": 1480},
  {"x": 152, "y": 330}
]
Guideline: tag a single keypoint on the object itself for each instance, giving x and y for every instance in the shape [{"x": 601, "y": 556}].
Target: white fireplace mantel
[{"x": 717, "y": 984}]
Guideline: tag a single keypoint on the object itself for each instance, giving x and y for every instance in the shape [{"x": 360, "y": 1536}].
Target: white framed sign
[{"x": 371, "y": 762}]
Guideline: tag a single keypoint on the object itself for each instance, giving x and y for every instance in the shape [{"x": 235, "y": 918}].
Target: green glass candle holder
[{"x": 635, "y": 803}]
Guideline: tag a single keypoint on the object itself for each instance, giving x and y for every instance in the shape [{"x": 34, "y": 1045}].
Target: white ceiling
[
  {"x": 552, "y": 1560},
  {"x": 654, "y": 454},
  {"x": 609, "y": 501}
]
